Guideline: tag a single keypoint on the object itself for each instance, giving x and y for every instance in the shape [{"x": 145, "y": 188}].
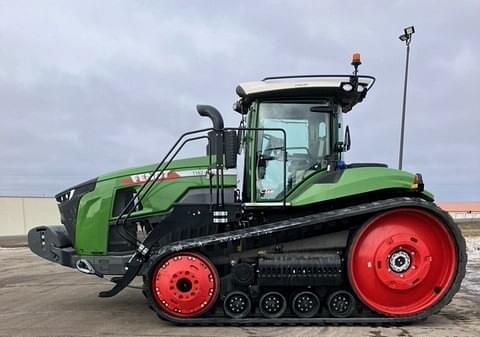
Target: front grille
[{"x": 68, "y": 202}]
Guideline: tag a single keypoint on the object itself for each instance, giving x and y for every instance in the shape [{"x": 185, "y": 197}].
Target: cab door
[{"x": 280, "y": 164}]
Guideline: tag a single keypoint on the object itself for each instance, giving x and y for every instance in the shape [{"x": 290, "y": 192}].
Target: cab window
[{"x": 307, "y": 146}]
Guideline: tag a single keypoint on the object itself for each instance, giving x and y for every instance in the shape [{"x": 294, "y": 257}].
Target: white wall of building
[
  {"x": 467, "y": 215},
  {"x": 19, "y": 214}
]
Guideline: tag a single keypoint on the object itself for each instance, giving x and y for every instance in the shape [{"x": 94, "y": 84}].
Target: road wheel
[
  {"x": 305, "y": 304},
  {"x": 237, "y": 304},
  {"x": 341, "y": 304},
  {"x": 272, "y": 304},
  {"x": 185, "y": 285}
]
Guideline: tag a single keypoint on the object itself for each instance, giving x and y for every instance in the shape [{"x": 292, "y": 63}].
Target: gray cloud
[{"x": 89, "y": 87}]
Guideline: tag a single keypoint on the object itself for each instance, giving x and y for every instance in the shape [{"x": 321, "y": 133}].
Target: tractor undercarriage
[{"x": 350, "y": 265}]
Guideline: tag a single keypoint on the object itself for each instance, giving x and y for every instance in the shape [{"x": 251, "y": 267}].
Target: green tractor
[{"x": 271, "y": 226}]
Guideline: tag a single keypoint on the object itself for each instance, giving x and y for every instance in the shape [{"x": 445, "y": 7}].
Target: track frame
[{"x": 366, "y": 209}]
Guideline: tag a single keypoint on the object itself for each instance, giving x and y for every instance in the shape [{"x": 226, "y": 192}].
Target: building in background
[
  {"x": 19, "y": 214},
  {"x": 462, "y": 211}
]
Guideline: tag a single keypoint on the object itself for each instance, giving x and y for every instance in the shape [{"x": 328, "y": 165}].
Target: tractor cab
[{"x": 294, "y": 129}]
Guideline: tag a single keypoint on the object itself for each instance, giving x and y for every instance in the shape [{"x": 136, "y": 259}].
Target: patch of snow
[{"x": 473, "y": 248}]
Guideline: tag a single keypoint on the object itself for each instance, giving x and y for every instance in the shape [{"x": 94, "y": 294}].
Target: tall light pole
[{"x": 407, "y": 38}]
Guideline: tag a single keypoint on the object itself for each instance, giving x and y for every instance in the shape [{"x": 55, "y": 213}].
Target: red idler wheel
[
  {"x": 185, "y": 285},
  {"x": 402, "y": 262}
]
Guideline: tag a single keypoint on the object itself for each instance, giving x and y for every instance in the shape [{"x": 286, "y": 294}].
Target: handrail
[
  {"x": 173, "y": 152},
  {"x": 152, "y": 183},
  {"x": 157, "y": 168}
]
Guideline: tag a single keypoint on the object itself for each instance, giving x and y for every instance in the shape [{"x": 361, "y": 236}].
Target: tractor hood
[{"x": 89, "y": 213}]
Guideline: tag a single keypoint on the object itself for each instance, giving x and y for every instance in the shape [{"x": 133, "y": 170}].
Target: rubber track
[{"x": 338, "y": 214}]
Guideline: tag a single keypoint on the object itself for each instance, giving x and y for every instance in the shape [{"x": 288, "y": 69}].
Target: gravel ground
[{"x": 38, "y": 298}]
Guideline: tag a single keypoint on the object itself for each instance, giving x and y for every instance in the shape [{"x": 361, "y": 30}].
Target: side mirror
[
  {"x": 346, "y": 144},
  {"x": 347, "y": 139}
]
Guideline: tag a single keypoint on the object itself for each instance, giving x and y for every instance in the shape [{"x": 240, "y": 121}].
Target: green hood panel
[
  {"x": 351, "y": 182},
  {"x": 95, "y": 211}
]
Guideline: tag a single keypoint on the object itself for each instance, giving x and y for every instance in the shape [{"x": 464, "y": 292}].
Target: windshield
[{"x": 308, "y": 144}]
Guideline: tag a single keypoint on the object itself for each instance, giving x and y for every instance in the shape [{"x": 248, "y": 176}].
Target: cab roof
[{"x": 339, "y": 87}]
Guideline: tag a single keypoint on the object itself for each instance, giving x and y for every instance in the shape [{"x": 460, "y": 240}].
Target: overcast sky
[{"x": 88, "y": 87}]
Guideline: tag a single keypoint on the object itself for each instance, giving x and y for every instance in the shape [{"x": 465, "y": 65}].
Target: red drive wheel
[
  {"x": 402, "y": 262},
  {"x": 185, "y": 284}
]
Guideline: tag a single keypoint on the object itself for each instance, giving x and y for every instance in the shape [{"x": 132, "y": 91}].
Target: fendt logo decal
[
  {"x": 157, "y": 177},
  {"x": 141, "y": 178}
]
